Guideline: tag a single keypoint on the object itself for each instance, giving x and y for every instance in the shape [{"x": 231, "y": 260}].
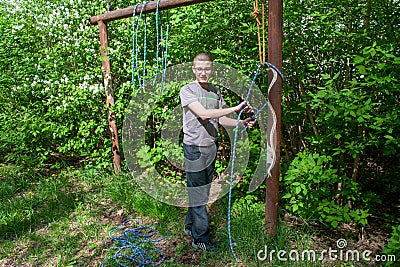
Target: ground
[{"x": 373, "y": 237}]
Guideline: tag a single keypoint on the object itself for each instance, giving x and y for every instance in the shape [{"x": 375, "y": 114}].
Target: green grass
[{"x": 63, "y": 219}]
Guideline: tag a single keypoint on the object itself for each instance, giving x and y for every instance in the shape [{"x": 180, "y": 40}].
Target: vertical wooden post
[
  {"x": 275, "y": 8},
  {"x": 112, "y": 122}
]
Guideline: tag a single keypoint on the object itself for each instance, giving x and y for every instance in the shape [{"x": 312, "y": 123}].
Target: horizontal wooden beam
[{"x": 147, "y": 8}]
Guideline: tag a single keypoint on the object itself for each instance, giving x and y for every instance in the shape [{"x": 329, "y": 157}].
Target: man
[{"x": 202, "y": 112}]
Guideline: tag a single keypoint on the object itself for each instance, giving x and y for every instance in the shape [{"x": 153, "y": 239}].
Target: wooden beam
[
  {"x": 275, "y": 8},
  {"x": 147, "y": 8}
]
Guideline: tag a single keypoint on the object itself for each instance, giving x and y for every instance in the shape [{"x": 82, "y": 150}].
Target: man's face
[{"x": 202, "y": 70}]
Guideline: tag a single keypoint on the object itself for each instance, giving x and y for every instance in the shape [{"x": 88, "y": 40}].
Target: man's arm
[
  {"x": 206, "y": 114},
  {"x": 230, "y": 123}
]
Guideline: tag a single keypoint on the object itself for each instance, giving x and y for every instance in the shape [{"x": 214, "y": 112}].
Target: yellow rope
[
  {"x": 260, "y": 29},
  {"x": 263, "y": 29}
]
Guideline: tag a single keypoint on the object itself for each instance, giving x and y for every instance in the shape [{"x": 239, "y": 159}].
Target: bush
[
  {"x": 52, "y": 100},
  {"x": 393, "y": 247},
  {"x": 311, "y": 191}
]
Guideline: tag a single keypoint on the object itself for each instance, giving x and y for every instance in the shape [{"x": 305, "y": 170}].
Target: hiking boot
[{"x": 204, "y": 246}]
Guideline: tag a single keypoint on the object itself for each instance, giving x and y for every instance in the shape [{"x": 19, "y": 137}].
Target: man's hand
[
  {"x": 244, "y": 105},
  {"x": 249, "y": 122}
]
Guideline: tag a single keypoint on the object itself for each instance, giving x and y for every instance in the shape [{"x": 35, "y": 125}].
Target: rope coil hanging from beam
[{"x": 139, "y": 67}]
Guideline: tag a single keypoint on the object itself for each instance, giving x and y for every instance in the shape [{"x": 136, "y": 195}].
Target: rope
[
  {"x": 134, "y": 245},
  {"x": 165, "y": 59},
  {"x": 263, "y": 30},
  {"x": 160, "y": 45},
  {"x": 275, "y": 72},
  {"x": 260, "y": 29},
  {"x": 135, "y": 47},
  {"x": 158, "y": 42},
  {"x": 164, "y": 49}
]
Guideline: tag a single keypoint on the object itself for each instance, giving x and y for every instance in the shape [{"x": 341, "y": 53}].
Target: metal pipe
[
  {"x": 275, "y": 8},
  {"x": 149, "y": 7}
]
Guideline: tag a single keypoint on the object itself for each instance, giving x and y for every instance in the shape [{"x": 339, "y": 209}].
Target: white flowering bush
[{"x": 52, "y": 97}]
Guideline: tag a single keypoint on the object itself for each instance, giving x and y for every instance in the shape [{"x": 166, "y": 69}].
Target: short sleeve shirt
[{"x": 196, "y": 131}]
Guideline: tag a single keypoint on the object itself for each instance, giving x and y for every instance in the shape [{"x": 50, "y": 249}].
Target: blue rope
[
  {"x": 234, "y": 147},
  {"x": 144, "y": 47},
  {"x": 258, "y": 111},
  {"x": 276, "y": 69},
  {"x": 135, "y": 48},
  {"x": 165, "y": 58},
  {"x": 129, "y": 248},
  {"x": 158, "y": 42},
  {"x": 283, "y": 80}
]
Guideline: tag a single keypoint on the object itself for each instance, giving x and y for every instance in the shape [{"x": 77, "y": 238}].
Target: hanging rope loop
[
  {"x": 139, "y": 66},
  {"x": 260, "y": 29}
]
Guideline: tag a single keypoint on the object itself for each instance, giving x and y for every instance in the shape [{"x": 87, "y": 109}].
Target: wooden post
[
  {"x": 112, "y": 122},
  {"x": 275, "y": 8}
]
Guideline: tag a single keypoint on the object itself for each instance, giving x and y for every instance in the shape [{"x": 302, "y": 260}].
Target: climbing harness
[{"x": 134, "y": 245}]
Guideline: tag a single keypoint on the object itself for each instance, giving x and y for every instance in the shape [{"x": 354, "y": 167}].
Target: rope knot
[
  {"x": 260, "y": 28},
  {"x": 256, "y": 13}
]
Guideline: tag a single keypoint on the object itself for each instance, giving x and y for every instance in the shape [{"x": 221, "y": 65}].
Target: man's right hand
[
  {"x": 244, "y": 105},
  {"x": 249, "y": 122}
]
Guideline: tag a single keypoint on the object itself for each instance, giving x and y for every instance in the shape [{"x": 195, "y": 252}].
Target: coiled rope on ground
[{"x": 134, "y": 245}]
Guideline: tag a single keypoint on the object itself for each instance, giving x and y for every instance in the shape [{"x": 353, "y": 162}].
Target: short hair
[{"x": 202, "y": 57}]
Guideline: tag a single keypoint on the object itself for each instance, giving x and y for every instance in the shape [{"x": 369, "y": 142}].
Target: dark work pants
[{"x": 200, "y": 164}]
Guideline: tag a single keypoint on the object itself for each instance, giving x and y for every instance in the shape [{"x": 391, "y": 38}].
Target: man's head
[{"x": 202, "y": 67}]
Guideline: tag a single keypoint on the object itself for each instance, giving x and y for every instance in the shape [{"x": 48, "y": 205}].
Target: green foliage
[
  {"x": 51, "y": 91},
  {"x": 340, "y": 103},
  {"x": 393, "y": 247},
  {"x": 341, "y": 98},
  {"x": 30, "y": 198},
  {"x": 248, "y": 203},
  {"x": 311, "y": 191}
]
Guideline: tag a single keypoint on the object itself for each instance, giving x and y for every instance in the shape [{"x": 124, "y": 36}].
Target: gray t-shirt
[{"x": 196, "y": 131}]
